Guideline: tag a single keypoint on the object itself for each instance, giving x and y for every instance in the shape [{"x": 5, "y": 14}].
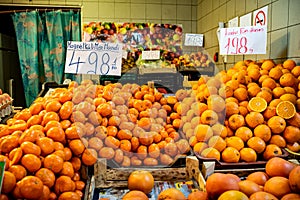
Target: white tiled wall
[
  {"x": 157, "y": 11},
  {"x": 283, "y": 26}
]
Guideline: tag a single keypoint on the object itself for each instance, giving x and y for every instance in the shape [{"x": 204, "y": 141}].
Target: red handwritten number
[
  {"x": 227, "y": 46},
  {"x": 238, "y": 45},
  {"x": 243, "y": 45},
  {"x": 235, "y": 44}
]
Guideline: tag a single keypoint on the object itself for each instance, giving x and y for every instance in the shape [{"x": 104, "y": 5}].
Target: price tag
[
  {"x": 193, "y": 40},
  {"x": 243, "y": 40},
  {"x": 2, "y": 168},
  {"x": 150, "y": 55},
  {"x": 124, "y": 54},
  {"x": 94, "y": 58}
]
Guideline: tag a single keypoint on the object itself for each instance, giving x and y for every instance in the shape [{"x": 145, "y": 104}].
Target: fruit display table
[{"x": 242, "y": 119}]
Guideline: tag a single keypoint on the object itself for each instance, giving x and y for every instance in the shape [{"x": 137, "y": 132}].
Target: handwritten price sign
[
  {"x": 150, "y": 55},
  {"x": 94, "y": 58},
  {"x": 193, "y": 40},
  {"x": 243, "y": 40}
]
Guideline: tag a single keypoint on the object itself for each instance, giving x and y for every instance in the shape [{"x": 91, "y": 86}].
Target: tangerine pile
[
  {"x": 128, "y": 124},
  {"x": 249, "y": 111},
  {"x": 280, "y": 180}
]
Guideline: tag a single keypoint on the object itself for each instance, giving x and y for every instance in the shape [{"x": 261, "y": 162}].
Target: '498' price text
[{"x": 103, "y": 59}]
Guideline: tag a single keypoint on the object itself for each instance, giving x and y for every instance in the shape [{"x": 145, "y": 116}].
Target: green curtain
[{"x": 41, "y": 40}]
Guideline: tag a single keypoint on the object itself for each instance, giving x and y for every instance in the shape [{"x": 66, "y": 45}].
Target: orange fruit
[
  {"x": 294, "y": 179},
  {"x": 234, "y": 195},
  {"x": 46, "y": 176},
  {"x": 209, "y": 117},
  {"x": 265, "y": 94},
  {"x": 267, "y": 64},
  {"x": 278, "y": 186},
  {"x": 290, "y": 90},
  {"x": 53, "y": 162},
  {"x": 144, "y": 177},
  {"x": 277, "y": 124},
  {"x": 243, "y": 111},
  {"x": 199, "y": 147},
  {"x": 234, "y": 142},
  {"x": 215, "y": 103},
  {"x": 291, "y": 196},
  {"x": 275, "y": 73},
  {"x": 236, "y": 121},
  {"x": 89, "y": 156},
  {"x": 289, "y": 64},
  {"x": 46, "y": 145},
  {"x": 271, "y": 151},
  {"x": 203, "y": 132},
  {"x": 211, "y": 152},
  {"x": 220, "y": 130},
  {"x": 135, "y": 194},
  {"x": 231, "y": 108},
  {"x": 18, "y": 170},
  {"x": 291, "y": 134},
  {"x": 258, "y": 177},
  {"x": 274, "y": 102},
  {"x": 286, "y": 109},
  {"x": 218, "y": 183},
  {"x": 241, "y": 94},
  {"x": 31, "y": 162},
  {"x": 278, "y": 92},
  {"x": 217, "y": 142},
  {"x": 31, "y": 187},
  {"x": 249, "y": 187},
  {"x": 248, "y": 155},
  {"x": 95, "y": 143},
  {"x": 197, "y": 195},
  {"x": 53, "y": 105},
  {"x": 269, "y": 112},
  {"x": 244, "y": 133},
  {"x": 57, "y": 134},
  {"x": 278, "y": 140},
  {"x": 262, "y": 195},
  {"x": 269, "y": 83},
  {"x": 253, "y": 91},
  {"x": 30, "y": 148},
  {"x": 257, "y": 143},
  {"x": 253, "y": 119},
  {"x": 289, "y": 97},
  {"x": 296, "y": 71},
  {"x": 263, "y": 131},
  {"x": 295, "y": 147},
  {"x": 230, "y": 155},
  {"x": 287, "y": 79},
  {"x": 9, "y": 182},
  {"x": 254, "y": 73}
]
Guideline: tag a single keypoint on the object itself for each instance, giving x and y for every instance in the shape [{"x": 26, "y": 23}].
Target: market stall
[{"x": 155, "y": 118}]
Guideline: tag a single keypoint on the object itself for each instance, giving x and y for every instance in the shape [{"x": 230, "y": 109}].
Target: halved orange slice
[
  {"x": 257, "y": 104},
  {"x": 286, "y": 109}
]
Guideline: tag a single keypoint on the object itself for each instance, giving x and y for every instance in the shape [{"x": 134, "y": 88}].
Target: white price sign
[
  {"x": 150, "y": 55},
  {"x": 94, "y": 58},
  {"x": 193, "y": 39},
  {"x": 243, "y": 40}
]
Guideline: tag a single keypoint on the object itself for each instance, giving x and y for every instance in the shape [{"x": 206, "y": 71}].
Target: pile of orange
[
  {"x": 280, "y": 180},
  {"x": 248, "y": 112}
]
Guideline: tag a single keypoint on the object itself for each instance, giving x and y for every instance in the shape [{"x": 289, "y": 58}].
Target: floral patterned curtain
[{"x": 41, "y": 40}]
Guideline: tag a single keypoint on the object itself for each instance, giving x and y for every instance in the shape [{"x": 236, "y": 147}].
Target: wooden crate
[{"x": 105, "y": 177}]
